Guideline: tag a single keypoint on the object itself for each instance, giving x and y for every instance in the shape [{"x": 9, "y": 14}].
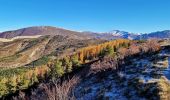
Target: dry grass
[
  {"x": 52, "y": 91},
  {"x": 164, "y": 89},
  {"x": 62, "y": 92}
]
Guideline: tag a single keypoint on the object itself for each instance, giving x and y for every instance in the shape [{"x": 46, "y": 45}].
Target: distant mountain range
[
  {"x": 115, "y": 34},
  {"x": 52, "y": 31},
  {"x": 158, "y": 34}
]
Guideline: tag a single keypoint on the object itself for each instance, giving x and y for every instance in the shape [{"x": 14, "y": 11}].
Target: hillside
[
  {"x": 23, "y": 51},
  {"x": 120, "y": 69},
  {"x": 19, "y": 37},
  {"x": 44, "y": 30}
]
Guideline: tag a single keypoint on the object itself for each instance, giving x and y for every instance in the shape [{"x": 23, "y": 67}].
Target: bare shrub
[{"x": 52, "y": 91}]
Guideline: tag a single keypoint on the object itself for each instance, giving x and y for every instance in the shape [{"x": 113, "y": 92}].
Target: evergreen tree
[
  {"x": 58, "y": 68},
  {"x": 34, "y": 78},
  {"x": 24, "y": 83},
  {"x": 3, "y": 87},
  {"x": 109, "y": 50},
  {"x": 75, "y": 61},
  {"x": 68, "y": 64},
  {"x": 12, "y": 84}
]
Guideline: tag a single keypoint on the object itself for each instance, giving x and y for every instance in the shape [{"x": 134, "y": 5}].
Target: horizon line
[{"x": 14, "y": 29}]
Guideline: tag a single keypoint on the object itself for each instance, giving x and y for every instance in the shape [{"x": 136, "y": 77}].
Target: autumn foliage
[
  {"x": 85, "y": 55},
  {"x": 121, "y": 48},
  {"x": 108, "y": 48},
  {"x": 137, "y": 48},
  {"x": 110, "y": 54},
  {"x": 12, "y": 80}
]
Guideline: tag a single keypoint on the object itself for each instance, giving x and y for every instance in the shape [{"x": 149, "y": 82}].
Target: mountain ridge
[
  {"x": 50, "y": 30},
  {"x": 43, "y": 30}
]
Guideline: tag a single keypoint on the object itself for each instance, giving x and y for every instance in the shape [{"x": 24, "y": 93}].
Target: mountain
[
  {"x": 52, "y": 31},
  {"x": 23, "y": 46},
  {"x": 44, "y": 30},
  {"x": 123, "y": 34},
  {"x": 115, "y": 34},
  {"x": 158, "y": 35}
]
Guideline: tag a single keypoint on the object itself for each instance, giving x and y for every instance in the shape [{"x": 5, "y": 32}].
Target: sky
[{"x": 137, "y": 16}]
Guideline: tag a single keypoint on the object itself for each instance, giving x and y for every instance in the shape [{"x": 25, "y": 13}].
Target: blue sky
[{"x": 87, "y": 15}]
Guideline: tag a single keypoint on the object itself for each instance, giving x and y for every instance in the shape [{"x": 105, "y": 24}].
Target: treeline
[
  {"x": 134, "y": 50},
  {"x": 120, "y": 49},
  {"x": 108, "y": 48},
  {"x": 12, "y": 80},
  {"x": 85, "y": 55}
]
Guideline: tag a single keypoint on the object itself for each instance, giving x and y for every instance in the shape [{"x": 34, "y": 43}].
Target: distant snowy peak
[
  {"x": 123, "y": 34},
  {"x": 118, "y": 33},
  {"x": 115, "y": 34}
]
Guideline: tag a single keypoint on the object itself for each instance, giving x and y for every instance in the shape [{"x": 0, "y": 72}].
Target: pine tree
[
  {"x": 58, "y": 68},
  {"x": 3, "y": 86},
  {"x": 75, "y": 61},
  {"x": 12, "y": 84},
  {"x": 109, "y": 50},
  {"x": 34, "y": 78},
  {"x": 68, "y": 64},
  {"x": 24, "y": 83}
]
